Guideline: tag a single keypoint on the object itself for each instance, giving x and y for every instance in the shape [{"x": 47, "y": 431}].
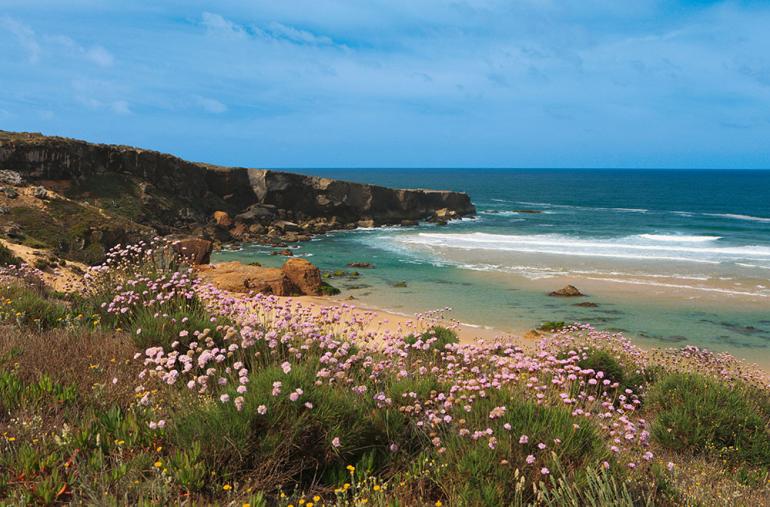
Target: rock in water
[
  {"x": 365, "y": 265},
  {"x": 587, "y": 304},
  {"x": 568, "y": 291}
]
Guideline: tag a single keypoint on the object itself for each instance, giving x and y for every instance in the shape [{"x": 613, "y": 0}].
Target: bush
[
  {"x": 551, "y": 326},
  {"x": 436, "y": 338},
  {"x": 704, "y": 416},
  {"x": 7, "y": 257},
  {"x": 291, "y": 442},
  {"x": 482, "y": 475},
  {"x": 29, "y": 307},
  {"x": 614, "y": 370}
]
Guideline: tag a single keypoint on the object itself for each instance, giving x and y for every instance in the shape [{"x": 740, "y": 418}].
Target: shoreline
[{"x": 469, "y": 332}]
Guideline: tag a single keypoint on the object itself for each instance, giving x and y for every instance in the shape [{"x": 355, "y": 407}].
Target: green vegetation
[
  {"x": 69, "y": 229},
  {"x": 701, "y": 415},
  {"x": 551, "y": 326},
  {"x": 249, "y": 403},
  {"x": 7, "y": 257}
]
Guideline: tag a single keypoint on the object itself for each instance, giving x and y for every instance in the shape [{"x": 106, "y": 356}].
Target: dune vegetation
[{"x": 151, "y": 387}]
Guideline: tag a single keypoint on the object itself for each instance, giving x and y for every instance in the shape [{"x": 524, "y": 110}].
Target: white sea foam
[
  {"x": 740, "y": 217},
  {"x": 694, "y": 249},
  {"x": 677, "y": 238}
]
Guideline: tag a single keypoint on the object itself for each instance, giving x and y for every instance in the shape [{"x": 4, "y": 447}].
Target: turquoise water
[{"x": 669, "y": 257}]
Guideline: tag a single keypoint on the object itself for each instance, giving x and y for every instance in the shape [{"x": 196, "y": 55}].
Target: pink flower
[
  {"x": 670, "y": 466},
  {"x": 523, "y": 439},
  {"x": 336, "y": 442},
  {"x": 530, "y": 459},
  {"x": 286, "y": 366},
  {"x": 183, "y": 333},
  {"x": 545, "y": 471},
  {"x": 262, "y": 410},
  {"x": 224, "y": 398}
]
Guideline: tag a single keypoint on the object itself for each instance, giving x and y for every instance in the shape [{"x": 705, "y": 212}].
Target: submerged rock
[
  {"x": 365, "y": 265},
  {"x": 568, "y": 291},
  {"x": 587, "y": 304}
]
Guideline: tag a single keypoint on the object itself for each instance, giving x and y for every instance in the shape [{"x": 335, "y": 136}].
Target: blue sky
[{"x": 397, "y": 83}]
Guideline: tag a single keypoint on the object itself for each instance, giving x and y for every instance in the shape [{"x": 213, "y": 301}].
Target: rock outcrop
[
  {"x": 170, "y": 194},
  {"x": 296, "y": 277},
  {"x": 568, "y": 291},
  {"x": 194, "y": 250}
]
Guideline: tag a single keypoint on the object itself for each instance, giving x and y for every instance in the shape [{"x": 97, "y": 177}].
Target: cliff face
[{"x": 173, "y": 192}]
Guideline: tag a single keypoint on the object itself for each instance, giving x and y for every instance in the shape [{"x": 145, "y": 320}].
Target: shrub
[
  {"x": 550, "y": 326},
  {"x": 484, "y": 474},
  {"x": 291, "y": 441},
  {"x": 704, "y": 416},
  {"x": 27, "y": 306},
  {"x": 7, "y": 257},
  {"x": 435, "y": 338}
]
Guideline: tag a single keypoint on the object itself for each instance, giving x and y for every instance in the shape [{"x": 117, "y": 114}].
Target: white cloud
[
  {"x": 99, "y": 56},
  {"x": 120, "y": 107},
  {"x": 24, "y": 35},
  {"x": 210, "y": 105},
  {"x": 217, "y": 25}
]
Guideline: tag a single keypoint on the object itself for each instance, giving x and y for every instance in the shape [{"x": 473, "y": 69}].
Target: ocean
[{"x": 666, "y": 257}]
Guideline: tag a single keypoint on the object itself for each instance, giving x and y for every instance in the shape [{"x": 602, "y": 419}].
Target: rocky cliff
[{"x": 169, "y": 193}]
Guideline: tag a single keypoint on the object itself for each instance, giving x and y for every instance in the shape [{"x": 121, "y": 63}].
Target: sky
[{"x": 397, "y": 83}]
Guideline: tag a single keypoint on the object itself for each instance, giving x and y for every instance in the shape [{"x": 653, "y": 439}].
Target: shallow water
[{"x": 669, "y": 257}]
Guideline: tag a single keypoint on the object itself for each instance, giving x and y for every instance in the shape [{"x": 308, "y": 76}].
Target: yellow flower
[
  {"x": 11, "y": 439},
  {"x": 120, "y": 442},
  {"x": 227, "y": 487},
  {"x": 301, "y": 501},
  {"x": 351, "y": 468},
  {"x": 377, "y": 487},
  {"x": 309, "y": 504},
  {"x": 316, "y": 498},
  {"x": 438, "y": 503},
  {"x": 346, "y": 486},
  {"x": 158, "y": 449},
  {"x": 158, "y": 464},
  {"x": 246, "y": 505}
]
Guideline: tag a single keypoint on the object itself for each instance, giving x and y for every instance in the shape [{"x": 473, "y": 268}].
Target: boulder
[
  {"x": 285, "y": 251},
  {"x": 39, "y": 192},
  {"x": 10, "y": 192},
  {"x": 195, "y": 250},
  {"x": 304, "y": 275},
  {"x": 586, "y": 304},
  {"x": 365, "y": 265},
  {"x": 8, "y": 177},
  {"x": 237, "y": 277},
  {"x": 286, "y": 226},
  {"x": 366, "y": 223},
  {"x": 568, "y": 291},
  {"x": 528, "y": 211},
  {"x": 222, "y": 219}
]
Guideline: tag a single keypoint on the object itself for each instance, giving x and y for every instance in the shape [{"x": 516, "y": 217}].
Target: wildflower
[
  {"x": 336, "y": 442},
  {"x": 544, "y": 471},
  {"x": 670, "y": 466},
  {"x": 523, "y": 439},
  {"x": 438, "y": 503},
  {"x": 530, "y": 459},
  {"x": 224, "y": 398},
  {"x": 262, "y": 410},
  {"x": 351, "y": 468},
  {"x": 227, "y": 487},
  {"x": 377, "y": 487},
  {"x": 316, "y": 498},
  {"x": 286, "y": 367},
  {"x": 157, "y": 464}
]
